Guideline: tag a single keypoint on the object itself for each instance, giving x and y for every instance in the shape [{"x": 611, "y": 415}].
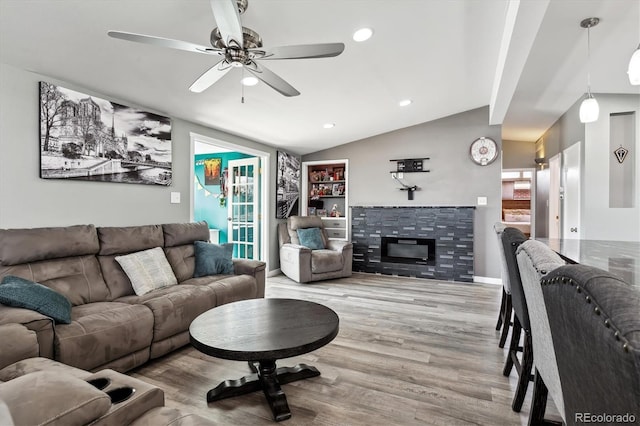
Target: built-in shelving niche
[{"x": 622, "y": 170}]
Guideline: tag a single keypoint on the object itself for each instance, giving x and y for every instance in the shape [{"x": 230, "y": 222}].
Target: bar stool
[
  {"x": 511, "y": 239},
  {"x": 506, "y": 309}
]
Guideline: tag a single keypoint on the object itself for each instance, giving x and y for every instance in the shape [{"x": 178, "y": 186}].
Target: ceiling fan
[{"x": 238, "y": 46}]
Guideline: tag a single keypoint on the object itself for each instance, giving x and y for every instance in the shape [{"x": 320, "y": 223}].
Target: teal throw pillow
[
  {"x": 213, "y": 259},
  {"x": 21, "y": 293},
  {"x": 311, "y": 237}
]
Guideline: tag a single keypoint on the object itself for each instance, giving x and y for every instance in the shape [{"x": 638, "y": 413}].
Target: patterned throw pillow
[
  {"x": 147, "y": 270},
  {"x": 22, "y": 293},
  {"x": 311, "y": 237},
  {"x": 213, "y": 259}
]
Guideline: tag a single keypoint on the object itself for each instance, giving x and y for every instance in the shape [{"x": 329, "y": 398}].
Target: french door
[{"x": 243, "y": 208}]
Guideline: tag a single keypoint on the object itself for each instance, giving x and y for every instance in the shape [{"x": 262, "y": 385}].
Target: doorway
[
  {"x": 253, "y": 243},
  {"x": 555, "y": 196},
  {"x": 243, "y": 190},
  {"x": 518, "y": 204},
  {"x": 571, "y": 175}
]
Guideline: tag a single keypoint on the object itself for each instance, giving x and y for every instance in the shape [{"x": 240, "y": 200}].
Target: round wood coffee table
[{"x": 262, "y": 331}]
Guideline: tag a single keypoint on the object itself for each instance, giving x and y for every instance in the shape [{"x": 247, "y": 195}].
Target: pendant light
[
  {"x": 634, "y": 68},
  {"x": 589, "y": 109}
]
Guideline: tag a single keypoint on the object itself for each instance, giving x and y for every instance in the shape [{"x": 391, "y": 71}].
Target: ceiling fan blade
[
  {"x": 209, "y": 77},
  {"x": 273, "y": 80},
  {"x": 164, "y": 42},
  {"x": 227, "y": 17},
  {"x": 301, "y": 51}
]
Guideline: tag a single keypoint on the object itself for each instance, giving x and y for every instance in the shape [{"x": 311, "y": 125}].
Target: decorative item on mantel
[{"x": 409, "y": 165}]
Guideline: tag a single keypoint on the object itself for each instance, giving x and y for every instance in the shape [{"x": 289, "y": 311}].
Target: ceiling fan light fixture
[
  {"x": 363, "y": 34},
  {"x": 329, "y": 125},
  {"x": 249, "y": 81},
  {"x": 405, "y": 102},
  {"x": 634, "y": 68}
]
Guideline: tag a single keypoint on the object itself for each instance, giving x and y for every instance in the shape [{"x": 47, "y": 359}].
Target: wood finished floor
[{"x": 409, "y": 352}]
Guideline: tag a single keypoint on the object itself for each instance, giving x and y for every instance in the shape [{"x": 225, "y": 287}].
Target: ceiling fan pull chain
[{"x": 242, "y": 84}]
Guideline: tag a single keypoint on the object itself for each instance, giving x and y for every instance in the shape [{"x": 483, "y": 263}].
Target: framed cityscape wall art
[
  {"x": 85, "y": 137},
  {"x": 287, "y": 185}
]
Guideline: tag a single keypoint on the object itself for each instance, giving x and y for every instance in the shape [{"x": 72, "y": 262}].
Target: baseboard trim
[
  {"x": 487, "y": 280},
  {"x": 274, "y": 273}
]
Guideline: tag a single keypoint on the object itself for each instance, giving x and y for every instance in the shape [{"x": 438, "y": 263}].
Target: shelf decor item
[{"x": 324, "y": 186}]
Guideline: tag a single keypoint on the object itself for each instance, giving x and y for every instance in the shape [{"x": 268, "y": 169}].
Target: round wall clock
[{"x": 483, "y": 151}]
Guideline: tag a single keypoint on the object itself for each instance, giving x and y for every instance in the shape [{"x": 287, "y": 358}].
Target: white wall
[
  {"x": 599, "y": 222},
  {"x": 454, "y": 179},
  {"x": 28, "y": 201}
]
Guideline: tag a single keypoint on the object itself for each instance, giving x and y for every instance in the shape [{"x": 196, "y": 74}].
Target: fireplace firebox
[{"x": 417, "y": 251}]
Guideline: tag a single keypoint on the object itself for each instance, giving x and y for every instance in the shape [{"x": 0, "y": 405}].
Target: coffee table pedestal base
[{"x": 268, "y": 378}]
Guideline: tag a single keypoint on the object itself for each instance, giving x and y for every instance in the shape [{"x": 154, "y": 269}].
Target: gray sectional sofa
[
  {"x": 111, "y": 327},
  {"x": 40, "y": 391}
]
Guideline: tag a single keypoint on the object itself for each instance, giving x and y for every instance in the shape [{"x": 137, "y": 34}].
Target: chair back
[
  {"x": 499, "y": 227},
  {"x": 535, "y": 260},
  {"x": 595, "y": 325},
  {"x": 511, "y": 240},
  {"x": 302, "y": 222}
]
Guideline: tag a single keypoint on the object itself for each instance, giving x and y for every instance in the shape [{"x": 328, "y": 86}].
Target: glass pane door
[{"x": 243, "y": 207}]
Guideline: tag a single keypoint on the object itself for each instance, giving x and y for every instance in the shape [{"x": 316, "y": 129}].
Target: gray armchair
[{"x": 302, "y": 264}]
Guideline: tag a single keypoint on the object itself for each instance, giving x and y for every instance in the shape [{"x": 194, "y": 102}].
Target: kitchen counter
[{"x": 621, "y": 258}]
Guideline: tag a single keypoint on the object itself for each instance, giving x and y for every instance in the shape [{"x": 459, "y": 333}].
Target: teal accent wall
[{"x": 206, "y": 198}]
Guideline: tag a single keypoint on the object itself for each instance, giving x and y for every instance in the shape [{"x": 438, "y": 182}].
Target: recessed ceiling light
[
  {"x": 329, "y": 125},
  {"x": 363, "y": 34},
  {"x": 405, "y": 102},
  {"x": 250, "y": 81}
]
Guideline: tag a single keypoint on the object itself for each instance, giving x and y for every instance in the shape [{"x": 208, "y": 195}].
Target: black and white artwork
[
  {"x": 288, "y": 185},
  {"x": 84, "y": 137}
]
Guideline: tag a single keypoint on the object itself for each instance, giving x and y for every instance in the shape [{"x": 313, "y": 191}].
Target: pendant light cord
[{"x": 589, "y": 60}]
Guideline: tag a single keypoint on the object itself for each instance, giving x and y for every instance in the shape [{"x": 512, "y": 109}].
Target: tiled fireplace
[{"x": 422, "y": 242}]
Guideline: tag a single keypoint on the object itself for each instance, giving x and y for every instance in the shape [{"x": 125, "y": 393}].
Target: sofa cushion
[
  {"x": 31, "y": 245},
  {"x": 229, "y": 288},
  {"x": 177, "y": 234},
  {"x": 129, "y": 239},
  {"x": 78, "y": 278},
  {"x": 50, "y": 398},
  {"x": 18, "y": 342},
  {"x": 31, "y": 365},
  {"x": 326, "y": 261},
  {"x": 21, "y": 293},
  {"x": 213, "y": 259},
  {"x": 174, "y": 307},
  {"x": 102, "y": 332},
  {"x": 182, "y": 260},
  {"x": 147, "y": 270},
  {"x": 311, "y": 237},
  {"x": 124, "y": 240}
]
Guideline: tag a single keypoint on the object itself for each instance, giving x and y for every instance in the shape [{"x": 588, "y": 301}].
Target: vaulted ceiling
[{"x": 526, "y": 59}]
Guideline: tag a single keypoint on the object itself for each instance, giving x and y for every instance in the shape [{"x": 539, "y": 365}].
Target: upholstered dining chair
[
  {"x": 307, "y": 254},
  {"x": 535, "y": 260},
  {"x": 506, "y": 310},
  {"x": 511, "y": 240},
  {"x": 595, "y": 325}
]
